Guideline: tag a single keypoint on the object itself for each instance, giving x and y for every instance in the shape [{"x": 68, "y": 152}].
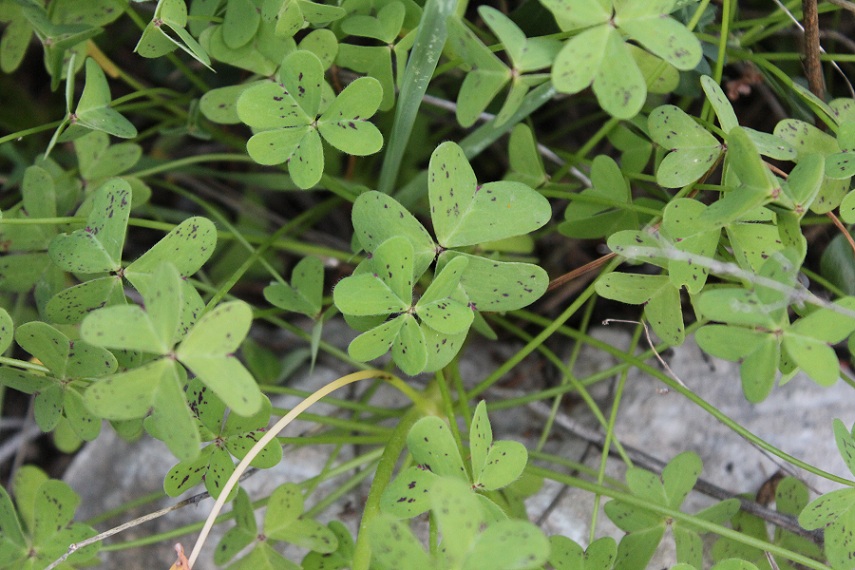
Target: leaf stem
[{"x": 382, "y": 477}]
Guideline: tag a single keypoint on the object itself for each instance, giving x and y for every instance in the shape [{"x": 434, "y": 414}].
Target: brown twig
[
  {"x": 813, "y": 67},
  {"x": 836, "y": 221},
  {"x": 579, "y": 271}
]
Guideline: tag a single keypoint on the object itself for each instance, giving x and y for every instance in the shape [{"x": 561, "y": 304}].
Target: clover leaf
[
  {"x": 692, "y": 149},
  {"x": 791, "y": 497},
  {"x": 288, "y": 124},
  {"x": 156, "y": 42},
  {"x": 493, "y": 465},
  {"x": 661, "y": 300},
  {"x": 93, "y": 111},
  {"x": 645, "y": 528},
  {"x": 488, "y": 75},
  {"x": 339, "y": 559},
  {"x": 377, "y": 60},
  {"x": 47, "y": 191},
  {"x": 758, "y": 333},
  {"x": 43, "y": 527},
  {"x": 600, "y": 210},
  {"x": 599, "y": 55},
  {"x": 526, "y": 164},
  {"x": 282, "y": 522},
  {"x": 809, "y": 140},
  {"x": 835, "y": 511},
  {"x": 58, "y": 403},
  {"x": 99, "y": 160},
  {"x": 425, "y": 336},
  {"x": 385, "y": 289},
  {"x": 232, "y": 435},
  {"x": 97, "y": 249},
  {"x": 565, "y": 554},
  {"x": 293, "y": 15},
  {"x": 207, "y": 350},
  {"x": 304, "y": 293},
  {"x": 467, "y": 543}
]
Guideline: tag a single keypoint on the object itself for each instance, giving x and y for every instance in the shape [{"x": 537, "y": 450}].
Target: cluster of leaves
[
  {"x": 41, "y": 528},
  {"x": 476, "y": 531},
  {"x": 425, "y": 334},
  {"x": 133, "y": 342},
  {"x": 760, "y": 214}
]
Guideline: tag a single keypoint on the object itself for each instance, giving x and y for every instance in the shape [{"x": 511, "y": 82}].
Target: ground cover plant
[{"x": 185, "y": 182}]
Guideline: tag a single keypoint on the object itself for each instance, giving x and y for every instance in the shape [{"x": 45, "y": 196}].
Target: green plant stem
[
  {"x": 637, "y": 361},
  {"x": 610, "y": 432},
  {"x": 707, "y": 113},
  {"x": 31, "y": 131},
  {"x": 382, "y": 477},
  {"x": 693, "y": 521},
  {"x": 448, "y": 404},
  {"x": 567, "y": 378},
  {"x": 23, "y": 364},
  {"x": 174, "y": 165}
]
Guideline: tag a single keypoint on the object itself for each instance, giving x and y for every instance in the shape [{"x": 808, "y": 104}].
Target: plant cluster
[{"x": 192, "y": 154}]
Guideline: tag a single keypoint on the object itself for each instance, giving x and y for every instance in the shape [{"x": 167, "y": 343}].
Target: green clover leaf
[
  {"x": 97, "y": 248},
  {"x": 207, "y": 350},
  {"x": 693, "y": 150},
  {"x": 834, "y": 511},
  {"x": 565, "y": 554},
  {"x": 645, "y": 529},
  {"x": 383, "y": 287},
  {"x": 305, "y": 292},
  {"x": 466, "y": 213},
  {"x": 494, "y": 465},
  {"x": 661, "y": 300},
  {"x": 93, "y": 112},
  {"x": 488, "y": 75},
  {"x": 504, "y": 545},
  {"x": 599, "y": 55},
  {"x": 294, "y": 15},
  {"x": 155, "y": 42},
  {"x": 282, "y": 522},
  {"x": 791, "y": 497},
  {"x": 757, "y": 330},
  {"x": 600, "y": 210},
  {"x": 58, "y": 400},
  {"x": 43, "y": 527},
  {"x": 288, "y": 126},
  {"x": 809, "y": 140},
  {"x": 232, "y": 436},
  {"x": 525, "y": 161}
]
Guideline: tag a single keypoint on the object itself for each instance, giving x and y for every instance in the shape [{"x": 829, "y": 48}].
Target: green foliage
[
  {"x": 232, "y": 435},
  {"x": 175, "y": 244},
  {"x": 282, "y": 523},
  {"x": 507, "y": 544},
  {"x": 492, "y": 465},
  {"x": 645, "y": 529},
  {"x": 43, "y": 526},
  {"x": 599, "y": 54},
  {"x": 207, "y": 350},
  {"x": 833, "y": 511},
  {"x": 426, "y": 334},
  {"x": 291, "y": 117}
]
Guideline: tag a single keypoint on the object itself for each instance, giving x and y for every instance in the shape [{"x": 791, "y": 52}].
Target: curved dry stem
[{"x": 272, "y": 433}]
